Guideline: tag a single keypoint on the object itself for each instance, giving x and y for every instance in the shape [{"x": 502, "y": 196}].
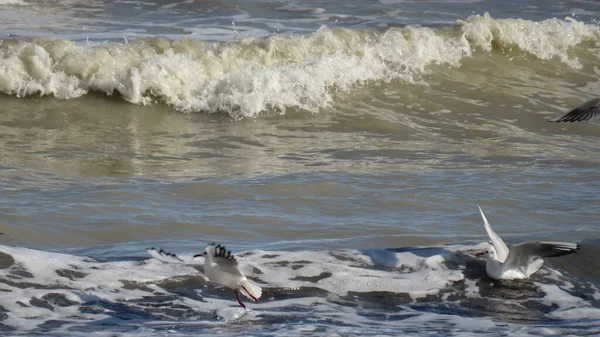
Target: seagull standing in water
[
  {"x": 585, "y": 112},
  {"x": 523, "y": 259},
  {"x": 221, "y": 267}
]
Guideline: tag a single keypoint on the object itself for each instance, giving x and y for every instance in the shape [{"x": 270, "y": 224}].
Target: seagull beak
[
  {"x": 198, "y": 255},
  {"x": 478, "y": 254}
]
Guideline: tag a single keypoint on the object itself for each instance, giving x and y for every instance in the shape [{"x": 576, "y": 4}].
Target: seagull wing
[
  {"x": 521, "y": 255},
  {"x": 226, "y": 261},
  {"x": 168, "y": 257},
  {"x": 585, "y": 112},
  {"x": 499, "y": 245}
]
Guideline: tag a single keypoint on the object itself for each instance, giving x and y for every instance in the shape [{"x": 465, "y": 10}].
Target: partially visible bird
[
  {"x": 585, "y": 112},
  {"x": 221, "y": 267},
  {"x": 523, "y": 259}
]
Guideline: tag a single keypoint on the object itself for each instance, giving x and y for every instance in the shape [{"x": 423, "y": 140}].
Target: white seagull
[
  {"x": 523, "y": 259},
  {"x": 221, "y": 267},
  {"x": 584, "y": 112}
]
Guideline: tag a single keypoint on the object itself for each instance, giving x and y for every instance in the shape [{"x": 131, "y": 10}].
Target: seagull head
[
  {"x": 490, "y": 253},
  {"x": 209, "y": 251}
]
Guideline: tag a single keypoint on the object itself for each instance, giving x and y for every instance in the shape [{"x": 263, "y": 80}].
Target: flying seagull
[{"x": 585, "y": 112}]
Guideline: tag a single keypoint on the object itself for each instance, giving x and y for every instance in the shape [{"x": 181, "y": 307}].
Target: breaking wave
[{"x": 251, "y": 75}]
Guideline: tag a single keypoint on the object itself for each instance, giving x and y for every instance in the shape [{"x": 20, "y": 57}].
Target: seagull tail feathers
[{"x": 251, "y": 290}]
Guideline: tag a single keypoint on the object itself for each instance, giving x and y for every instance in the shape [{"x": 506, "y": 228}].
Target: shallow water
[{"x": 339, "y": 147}]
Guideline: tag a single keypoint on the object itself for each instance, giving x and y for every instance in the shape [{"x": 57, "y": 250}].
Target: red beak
[
  {"x": 479, "y": 254},
  {"x": 198, "y": 255}
]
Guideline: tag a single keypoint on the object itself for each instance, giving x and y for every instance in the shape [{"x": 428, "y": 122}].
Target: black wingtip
[{"x": 223, "y": 252}]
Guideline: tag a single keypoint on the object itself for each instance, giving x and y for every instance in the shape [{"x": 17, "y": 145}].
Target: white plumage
[
  {"x": 220, "y": 267},
  {"x": 523, "y": 259}
]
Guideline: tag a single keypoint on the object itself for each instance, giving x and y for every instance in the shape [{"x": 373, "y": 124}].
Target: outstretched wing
[
  {"x": 499, "y": 245},
  {"x": 168, "y": 257},
  {"x": 521, "y": 255},
  {"x": 225, "y": 260},
  {"x": 585, "y": 112}
]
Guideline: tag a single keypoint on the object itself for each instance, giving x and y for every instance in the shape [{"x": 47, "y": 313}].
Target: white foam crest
[
  {"x": 545, "y": 40},
  {"x": 570, "y": 307},
  {"x": 12, "y": 3},
  {"x": 251, "y": 75},
  {"x": 243, "y": 77}
]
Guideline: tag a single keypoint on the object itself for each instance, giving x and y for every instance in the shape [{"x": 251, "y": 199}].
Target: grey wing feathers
[
  {"x": 225, "y": 261},
  {"x": 585, "y": 112},
  {"x": 521, "y": 255},
  {"x": 224, "y": 256},
  {"x": 554, "y": 249},
  {"x": 168, "y": 257}
]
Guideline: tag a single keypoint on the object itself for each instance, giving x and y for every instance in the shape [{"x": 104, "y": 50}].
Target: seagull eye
[{"x": 487, "y": 251}]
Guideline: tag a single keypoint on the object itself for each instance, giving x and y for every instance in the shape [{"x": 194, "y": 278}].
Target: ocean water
[{"x": 338, "y": 148}]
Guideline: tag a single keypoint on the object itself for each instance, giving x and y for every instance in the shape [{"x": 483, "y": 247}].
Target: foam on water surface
[
  {"x": 12, "y": 3},
  {"x": 374, "y": 290}
]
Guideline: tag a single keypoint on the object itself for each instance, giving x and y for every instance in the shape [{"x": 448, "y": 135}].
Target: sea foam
[
  {"x": 375, "y": 290},
  {"x": 12, "y": 3},
  {"x": 42, "y": 286}
]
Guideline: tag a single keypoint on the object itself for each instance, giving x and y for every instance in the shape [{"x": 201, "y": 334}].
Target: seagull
[
  {"x": 585, "y": 112},
  {"x": 523, "y": 259},
  {"x": 221, "y": 267}
]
